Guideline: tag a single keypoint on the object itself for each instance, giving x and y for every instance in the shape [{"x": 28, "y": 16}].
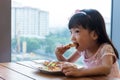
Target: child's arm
[
  {"x": 103, "y": 69},
  {"x": 60, "y": 56},
  {"x": 72, "y": 58},
  {"x": 61, "y": 50}
]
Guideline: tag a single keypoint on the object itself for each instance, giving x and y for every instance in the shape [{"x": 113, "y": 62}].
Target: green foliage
[
  {"x": 32, "y": 44},
  {"x": 13, "y": 43},
  {"x": 46, "y": 45}
]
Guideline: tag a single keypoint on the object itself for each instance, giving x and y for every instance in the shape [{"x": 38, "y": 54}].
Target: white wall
[{"x": 5, "y": 30}]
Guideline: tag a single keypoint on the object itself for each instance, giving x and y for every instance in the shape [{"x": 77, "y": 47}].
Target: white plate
[{"x": 39, "y": 65}]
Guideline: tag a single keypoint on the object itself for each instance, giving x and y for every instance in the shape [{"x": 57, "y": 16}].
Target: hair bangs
[{"x": 78, "y": 20}]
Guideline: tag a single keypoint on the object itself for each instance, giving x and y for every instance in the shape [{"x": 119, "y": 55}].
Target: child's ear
[{"x": 94, "y": 35}]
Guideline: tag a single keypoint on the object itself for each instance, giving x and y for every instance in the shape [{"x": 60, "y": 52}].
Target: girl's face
[{"x": 83, "y": 38}]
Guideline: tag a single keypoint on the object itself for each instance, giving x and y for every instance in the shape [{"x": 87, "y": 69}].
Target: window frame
[{"x": 5, "y": 28}]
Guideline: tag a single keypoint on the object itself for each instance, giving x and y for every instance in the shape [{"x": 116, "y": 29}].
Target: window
[{"x": 38, "y": 26}]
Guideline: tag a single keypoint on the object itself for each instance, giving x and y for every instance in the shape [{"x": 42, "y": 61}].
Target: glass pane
[{"x": 38, "y": 26}]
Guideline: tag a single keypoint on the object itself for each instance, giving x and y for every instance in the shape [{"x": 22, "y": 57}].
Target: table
[{"x": 24, "y": 71}]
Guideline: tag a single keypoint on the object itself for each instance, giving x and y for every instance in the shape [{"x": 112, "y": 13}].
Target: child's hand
[
  {"x": 70, "y": 69},
  {"x": 61, "y": 49}
]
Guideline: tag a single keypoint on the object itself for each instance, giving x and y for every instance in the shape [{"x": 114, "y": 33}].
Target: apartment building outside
[{"x": 29, "y": 22}]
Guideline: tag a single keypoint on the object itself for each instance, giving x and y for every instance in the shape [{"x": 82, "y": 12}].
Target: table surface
[{"x": 25, "y": 71}]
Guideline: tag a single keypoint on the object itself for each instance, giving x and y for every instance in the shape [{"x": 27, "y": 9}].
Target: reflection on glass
[{"x": 38, "y": 26}]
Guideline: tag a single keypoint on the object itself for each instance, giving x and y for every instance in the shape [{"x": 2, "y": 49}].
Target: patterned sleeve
[{"x": 108, "y": 50}]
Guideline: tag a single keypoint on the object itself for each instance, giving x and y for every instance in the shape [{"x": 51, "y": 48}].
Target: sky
[{"x": 61, "y": 10}]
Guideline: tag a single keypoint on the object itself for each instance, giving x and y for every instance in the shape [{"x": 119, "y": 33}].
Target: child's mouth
[{"x": 77, "y": 45}]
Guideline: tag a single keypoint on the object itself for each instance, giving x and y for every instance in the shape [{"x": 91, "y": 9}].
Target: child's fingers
[
  {"x": 68, "y": 71},
  {"x": 60, "y": 49},
  {"x": 67, "y": 67},
  {"x": 68, "y": 64}
]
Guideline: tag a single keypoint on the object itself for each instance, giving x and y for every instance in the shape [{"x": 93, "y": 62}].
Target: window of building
[{"x": 38, "y": 26}]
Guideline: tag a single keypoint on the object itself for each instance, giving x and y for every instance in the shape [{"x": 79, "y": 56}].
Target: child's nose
[{"x": 73, "y": 38}]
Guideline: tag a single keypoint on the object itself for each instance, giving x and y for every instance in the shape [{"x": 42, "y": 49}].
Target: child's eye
[{"x": 77, "y": 31}]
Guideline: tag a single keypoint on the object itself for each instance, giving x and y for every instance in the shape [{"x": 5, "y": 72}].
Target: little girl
[{"x": 88, "y": 31}]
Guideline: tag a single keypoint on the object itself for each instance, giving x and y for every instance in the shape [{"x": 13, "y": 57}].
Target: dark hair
[{"x": 92, "y": 20}]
